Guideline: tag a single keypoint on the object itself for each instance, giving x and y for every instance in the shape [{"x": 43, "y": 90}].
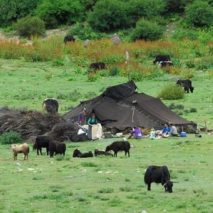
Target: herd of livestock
[
  {"x": 161, "y": 60},
  {"x": 157, "y": 174}
]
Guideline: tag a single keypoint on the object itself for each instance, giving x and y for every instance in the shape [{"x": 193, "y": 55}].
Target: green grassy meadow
[
  {"x": 108, "y": 184},
  {"x": 29, "y": 74},
  {"x": 26, "y": 84}
]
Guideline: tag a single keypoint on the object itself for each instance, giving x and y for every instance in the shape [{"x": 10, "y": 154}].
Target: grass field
[
  {"x": 108, "y": 184},
  {"x": 25, "y": 85}
]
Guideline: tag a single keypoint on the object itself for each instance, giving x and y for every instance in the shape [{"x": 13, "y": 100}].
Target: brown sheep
[{"x": 20, "y": 148}]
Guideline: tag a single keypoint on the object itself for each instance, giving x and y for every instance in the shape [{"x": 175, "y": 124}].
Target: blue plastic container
[{"x": 183, "y": 134}]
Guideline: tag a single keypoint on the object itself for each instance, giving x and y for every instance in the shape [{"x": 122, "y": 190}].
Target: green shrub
[
  {"x": 88, "y": 4},
  {"x": 83, "y": 31},
  {"x": 171, "y": 92},
  {"x": 176, "y": 6},
  {"x": 30, "y": 26},
  {"x": 137, "y": 9},
  {"x": 108, "y": 15},
  {"x": 147, "y": 30},
  {"x": 199, "y": 14},
  {"x": 114, "y": 71},
  {"x": 11, "y": 10},
  {"x": 56, "y": 12},
  {"x": 10, "y": 137}
]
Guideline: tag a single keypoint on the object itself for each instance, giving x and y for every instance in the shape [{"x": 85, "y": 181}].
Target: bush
[
  {"x": 199, "y": 14},
  {"x": 147, "y": 30},
  {"x": 108, "y": 15},
  {"x": 11, "y": 10},
  {"x": 114, "y": 71},
  {"x": 137, "y": 9},
  {"x": 56, "y": 12},
  {"x": 10, "y": 138},
  {"x": 83, "y": 31},
  {"x": 171, "y": 92},
  {"x": 30, "y": 26},
  {"x": 176, "y": 6},
  {"x": 88, "y": 4}
]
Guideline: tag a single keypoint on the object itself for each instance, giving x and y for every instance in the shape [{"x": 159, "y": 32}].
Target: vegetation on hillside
[{"x": 110, "y": 15}]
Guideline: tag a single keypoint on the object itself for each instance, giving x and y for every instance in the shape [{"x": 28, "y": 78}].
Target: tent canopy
[{"x": 122, "y": 107}]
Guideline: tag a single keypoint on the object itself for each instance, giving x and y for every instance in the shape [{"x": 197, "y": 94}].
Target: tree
[
  {"x": 56, "y": 12},
  {"x": 137, "y": 9},
  {"x": 147, "y": 30},
  {"x": 108, "y": 15},
  {"x": 199, "y": 14},
  {"x": 174, "y": 6},
  {"x": 30, "y": 26},
  {"x": 11, "y": 10}
]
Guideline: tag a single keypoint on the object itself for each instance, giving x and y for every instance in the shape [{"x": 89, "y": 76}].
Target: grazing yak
[
  {"x": 78, "y": 154},
  {"x": 186, "y": 84},
  {"x": 97, "y": 66},
  {"x": 50, "y": 105},
  {"x": 158, "y": 174},
  {"x": 41, "y": 141},
  {"x": 100, "y": 152},
  {"x": 20, "y": 148},
  {"x": 57, "y": 148},
  {"x": 119, "y": 146},
  {"x": 163, "y": 60},
  {"x": 69, "y": 38}
]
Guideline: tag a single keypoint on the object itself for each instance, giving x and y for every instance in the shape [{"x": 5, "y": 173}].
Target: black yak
[
  {"x": 50, "y": 105},
  {"x": 69, "y": 38},
  {"x": 163, "y": 60},
  {"x": 158, "y": 174},
  {"x": 78, "y": 154},
  {"x": 119, "y": 146},
  {"x": 97, "y": 66},
  {"x": 41, "y": 141},
  {"x": 186, "y": 84},
  {"x": 57, "y": 148}
]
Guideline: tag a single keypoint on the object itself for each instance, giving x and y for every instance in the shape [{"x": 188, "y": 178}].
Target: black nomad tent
[{"x": 121, "y": 107}]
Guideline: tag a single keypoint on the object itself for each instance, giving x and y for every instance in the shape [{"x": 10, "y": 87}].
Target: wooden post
[{"x": 127, "y": 62}]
